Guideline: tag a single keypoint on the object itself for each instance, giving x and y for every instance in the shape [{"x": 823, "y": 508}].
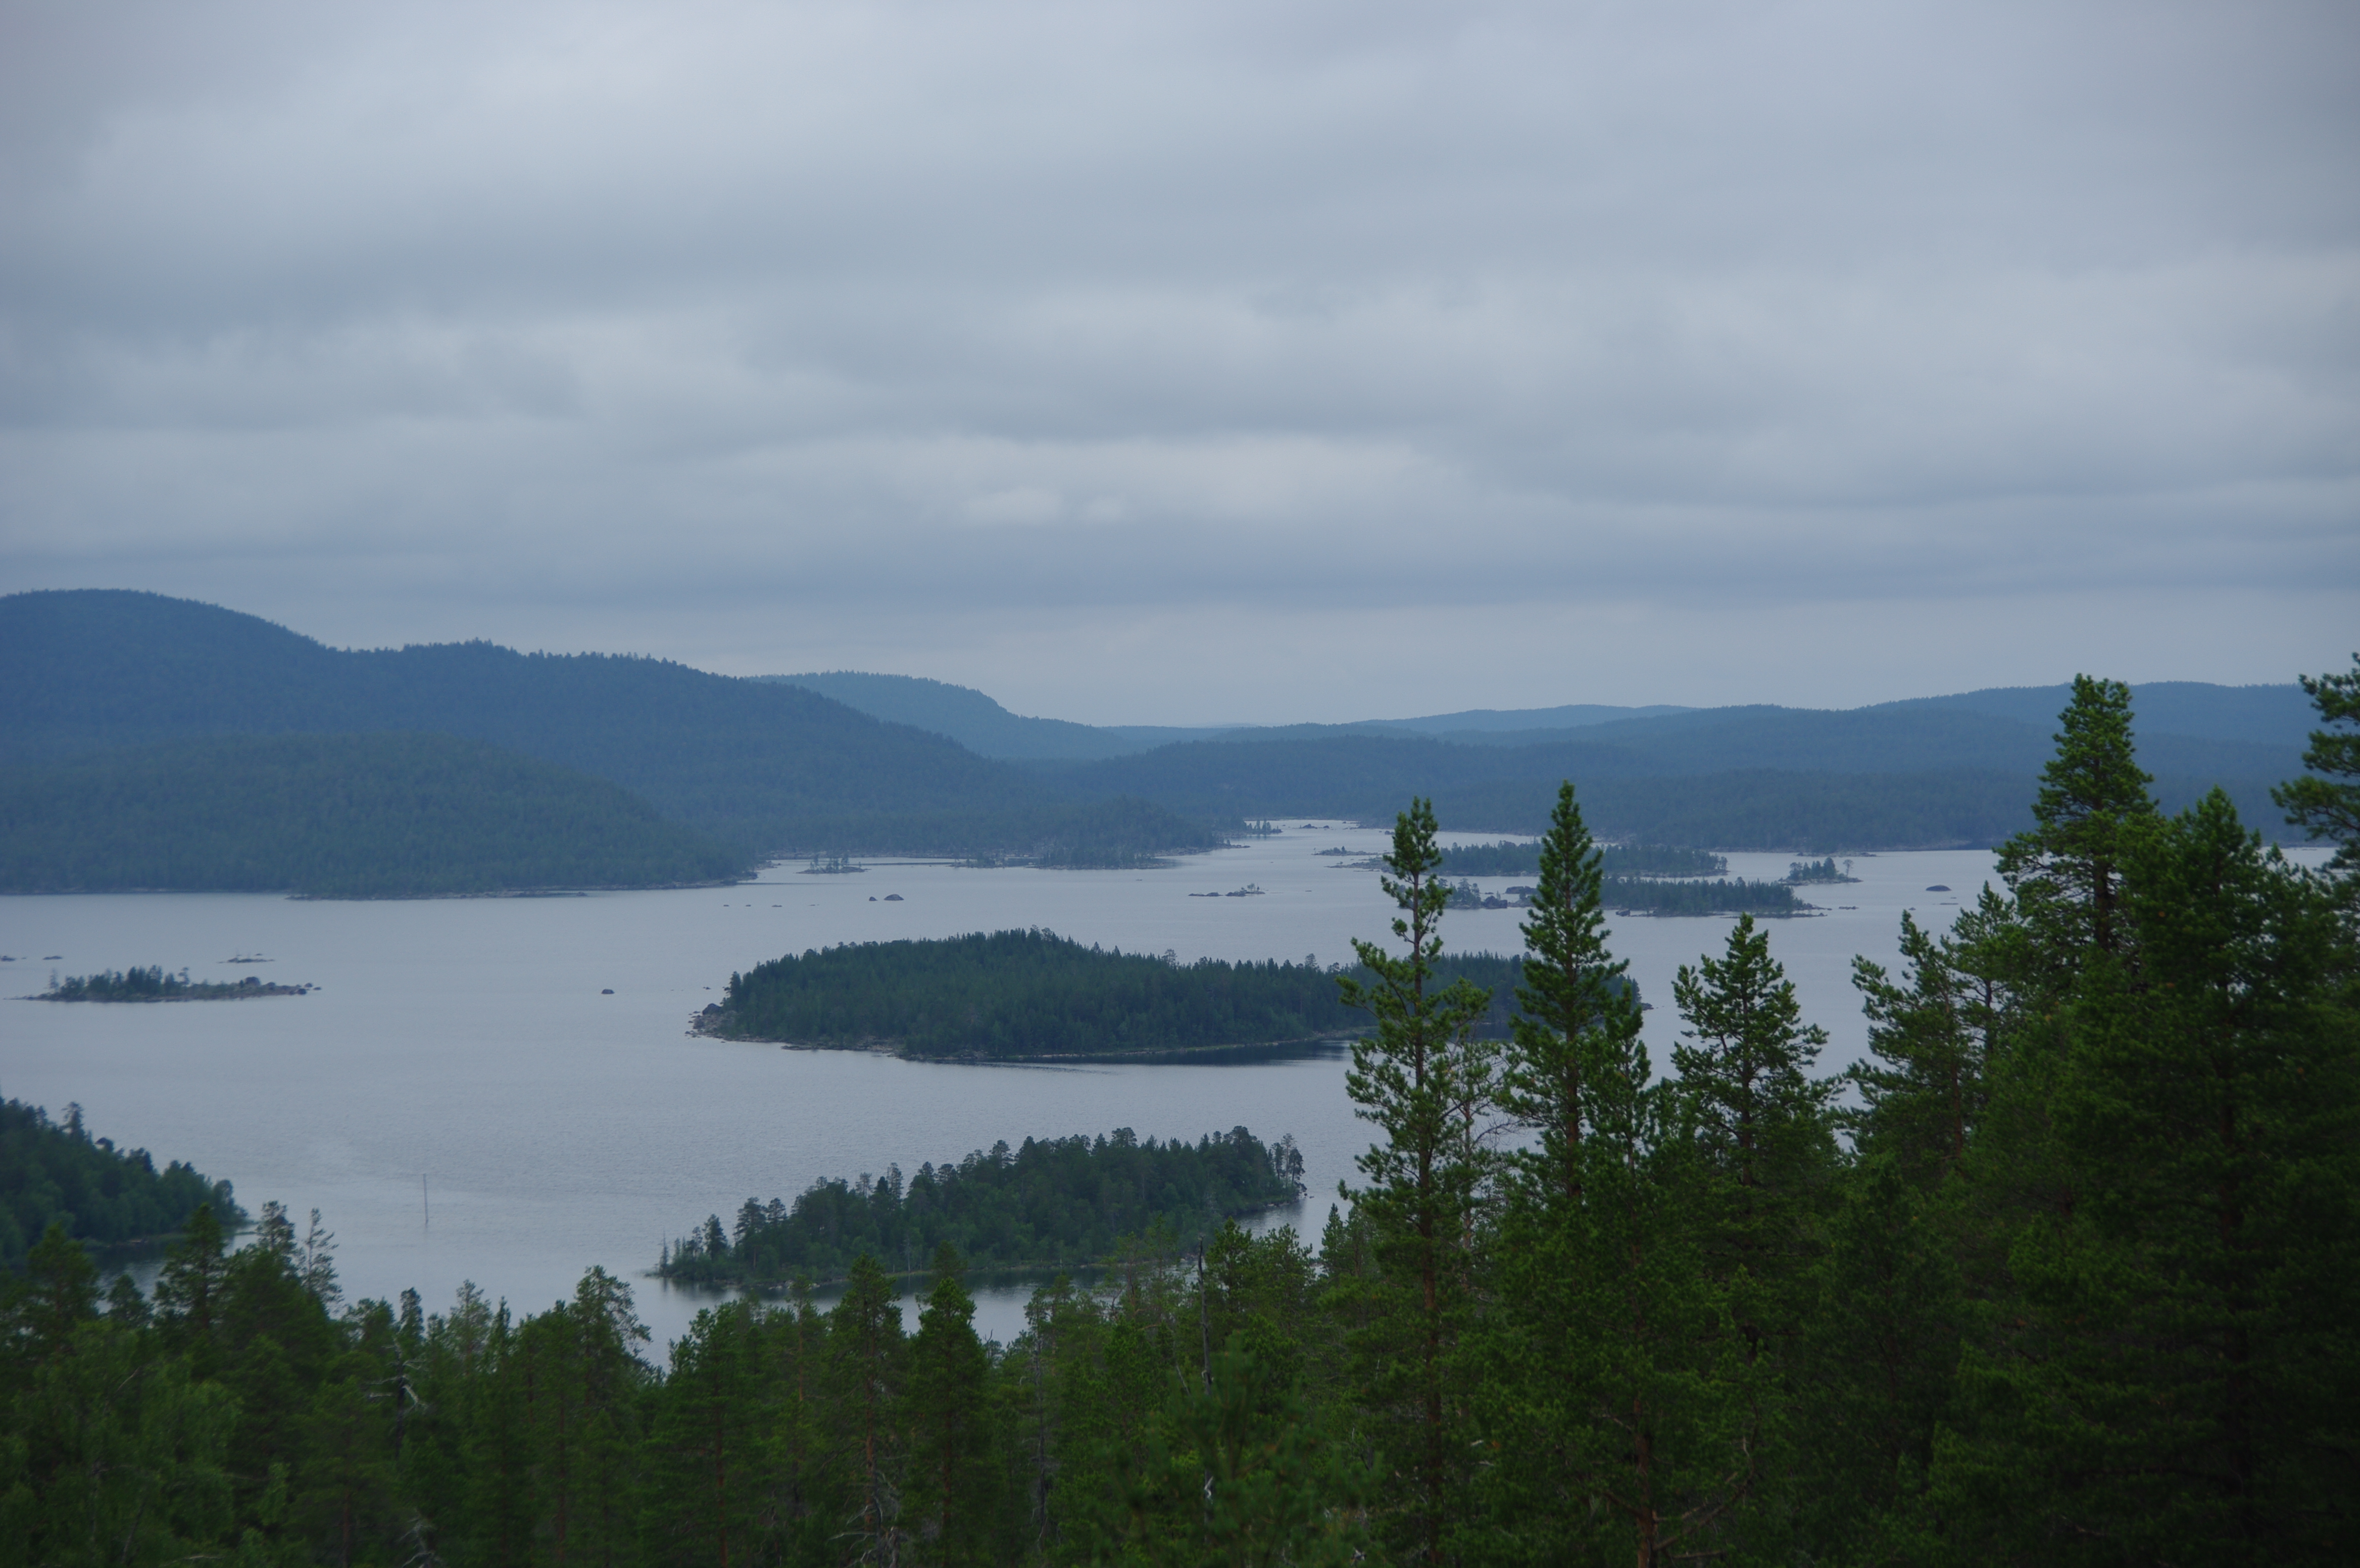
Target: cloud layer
[{"x": 1207, "y": 362}]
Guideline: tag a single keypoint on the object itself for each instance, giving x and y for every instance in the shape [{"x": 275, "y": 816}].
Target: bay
[{"x": 463, "y": 1100}]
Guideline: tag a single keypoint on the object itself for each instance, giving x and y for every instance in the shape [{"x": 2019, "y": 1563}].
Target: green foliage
[
  {"x": 1033, "y": 993},
  {"x": 2076, "y": 1291},
  {"x": 1427, "y": 1084},
  {"x": 104, "y": 1196},
  {"x": 2326, "y": 800},
  {"x": 1050, "y": 1203},
  {"x": 335, "y": 816}
]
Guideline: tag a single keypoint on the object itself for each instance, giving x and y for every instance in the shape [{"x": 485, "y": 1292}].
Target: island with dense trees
[
  {"x": 154, "y": 984},
  {"x": 1508, "y": 857},
  {"x": 2061, "y": 1273},
  {"x": 1008, "y": 995},
  {"x": 1048, "y": 1204}
]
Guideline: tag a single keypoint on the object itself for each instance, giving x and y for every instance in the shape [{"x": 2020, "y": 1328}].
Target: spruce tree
[
  {"x": 2066, "y": 870},
  {"x": 1424, "y": 1079},
  {"x": 1923, "y": 1086},
  {"x": 2172, "y": 1379},
  {"x": 1579, "y": 1015},
  {"x": 1764, "y": 1130}
]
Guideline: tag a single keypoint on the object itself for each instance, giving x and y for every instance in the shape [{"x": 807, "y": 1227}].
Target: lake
[{"x": 461, "y": 1100}]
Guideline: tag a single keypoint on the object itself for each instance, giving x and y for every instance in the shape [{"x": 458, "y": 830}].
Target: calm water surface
[{"x": 467, "y": 1044}]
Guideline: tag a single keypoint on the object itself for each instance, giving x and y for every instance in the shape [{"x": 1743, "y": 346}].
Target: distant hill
[
  {"x": 986, "y": 728},
  {"x": 765, "y": 768},
  {"x": 335, "y": 816},
  {"x": 1769, "y": 778},
  {"x": 978, "y": 723},
  {"x": 2269, "y": 715},
  {"x": 1493, "y": 720}
]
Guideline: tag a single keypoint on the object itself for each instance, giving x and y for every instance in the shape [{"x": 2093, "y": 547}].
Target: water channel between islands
[{"x": 471, "y": 1043}]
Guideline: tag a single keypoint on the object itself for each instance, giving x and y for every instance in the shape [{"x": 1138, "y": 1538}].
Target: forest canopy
[
  {"x": 103, "y": 1195},
  {"x": 2059, "y": 1273}
]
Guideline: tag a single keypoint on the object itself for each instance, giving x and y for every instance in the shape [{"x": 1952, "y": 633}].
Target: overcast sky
[{"x": 1201, "y": 361}]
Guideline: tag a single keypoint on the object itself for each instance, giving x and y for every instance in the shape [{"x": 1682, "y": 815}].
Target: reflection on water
[{"x": 472, "y": 1044}]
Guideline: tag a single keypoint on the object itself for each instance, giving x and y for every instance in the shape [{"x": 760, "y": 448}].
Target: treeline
[
  {"x": 102, "y": 1195},
  {"x": 1508, "y": 857},
  {"x": 1035, "y": 994},
  {"x": 154, "y": 984},
  {"x": 1736, "y": 896},
  {"x": 1048, "y": 1204},
  {"x": 384, "y": 816},
  {"x": 2066, "y": 1281}
]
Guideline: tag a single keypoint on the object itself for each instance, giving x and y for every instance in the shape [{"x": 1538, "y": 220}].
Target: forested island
[
  {"x": 1048, "y": 1204},
  {"x": 153, "y": 984},
  {"x": 1801, "y": 873},
  {"x": 1009, "y": 994},
  {"x": 2061, "y": 1273},
  {"x": 1731, "y": 895},
  {"x": 1508, "y": 857},
  {"x": 104, "y": 1196}
]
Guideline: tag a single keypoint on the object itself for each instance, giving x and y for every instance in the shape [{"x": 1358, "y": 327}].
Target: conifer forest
[{"x": 2063, "y": 1272}]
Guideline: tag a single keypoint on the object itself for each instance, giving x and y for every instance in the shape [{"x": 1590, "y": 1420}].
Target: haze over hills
[
  {"x": 698, "y": 766},
  {"x": 1958, "y": 769},
  {"x": 766, "y": 769},
  {"x": 989, "y": 729}
]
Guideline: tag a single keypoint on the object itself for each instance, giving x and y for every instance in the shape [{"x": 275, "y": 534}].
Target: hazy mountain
[
  {"x": 767, "y": 767},
  {"x": 978, "y": 723}
]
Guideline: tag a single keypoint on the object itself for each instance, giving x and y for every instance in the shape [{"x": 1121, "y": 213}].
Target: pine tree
[
  {"x": 1423, "y": 1079},
  {"x": 951, "y": 1502},
  {"x": 704, "y": 1477},
  {"x": 866, "y": 1366}
]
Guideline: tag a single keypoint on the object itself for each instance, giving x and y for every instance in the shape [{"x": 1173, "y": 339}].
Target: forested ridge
[
  {"x": 382, "y": 816},
  {"x": 2065, "y": 1281},
  {"x": 103, "y": 1195},
  {"x": 764, "y": 768},
  {"x": 1048, "y": 1203},
  {"x": 1004, "y": 994}
]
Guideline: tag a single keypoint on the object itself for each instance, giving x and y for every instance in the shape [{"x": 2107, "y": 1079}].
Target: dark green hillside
[
  {"x": 1033, "y": 993},
  {"x": 103, "y": 1195},
  {"x": 2266, "y": 714},
  {"x": 1724, "y": 779},
  {"x": 337, "y": 815},
  {"x": 1054, "y": 1204},
  {"x": 768, "y": 768}
]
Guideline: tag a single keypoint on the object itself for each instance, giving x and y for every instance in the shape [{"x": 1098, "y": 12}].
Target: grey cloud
[{"x": 950, "y": 319}]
